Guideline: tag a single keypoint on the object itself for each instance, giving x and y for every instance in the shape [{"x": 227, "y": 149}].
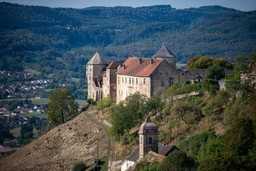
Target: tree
[
  {"x": 178, "y": 161},
  {"x": 211, "y": 85},
  {"x": 154, "y": 104},
  {"x": 186, "y": 111},
  {"x": 127, "y": 114},
  {"x": 239, "y": 148},
  {"x": 215, "y": 72},
  {"x": 104, "y": 103},
  {"x": 62, "y": 105}
]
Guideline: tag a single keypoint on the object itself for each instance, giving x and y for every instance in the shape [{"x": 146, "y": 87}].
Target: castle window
[
  {"x": 137, "y": 81},
  {"x": 150, "y": 141},
  {"x": 160, "y": 71},
  {"x": 129, "y": 80},
  {"x": 144, "y": 80},
  {"x": 162, "y": 83},
  {"x": 166, "y": 71},
  {"x": 132, "y": 80},
  {"x": 125, "y": 80},
  {"x": 122, "y": 79},
  {"x": 118, "y": 80},
  {"x": 171, "y": 80}
]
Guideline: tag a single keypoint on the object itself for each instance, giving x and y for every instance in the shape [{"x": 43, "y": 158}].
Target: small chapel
[{"x": 148, "y": 144}]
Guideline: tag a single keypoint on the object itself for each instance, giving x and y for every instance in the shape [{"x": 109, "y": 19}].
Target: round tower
[
  {"x": 94, "y": 71},
  {"x": 148, "y": 135},
  {"x": 165, "y": 53}
]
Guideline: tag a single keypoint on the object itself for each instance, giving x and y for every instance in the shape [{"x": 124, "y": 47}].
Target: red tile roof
[
  {"x": 114, "y": 65},
  {"x": 145, "y": 68}
]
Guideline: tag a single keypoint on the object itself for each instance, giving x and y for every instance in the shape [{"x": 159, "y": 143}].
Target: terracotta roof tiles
[{"x": 140, "y": 67}]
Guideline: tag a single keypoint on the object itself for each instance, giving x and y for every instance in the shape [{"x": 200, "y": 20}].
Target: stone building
[
  {"x": 148, "y": 142},
  {"x": 149, "y": 76},
  {"x": 95, "y": 70}
]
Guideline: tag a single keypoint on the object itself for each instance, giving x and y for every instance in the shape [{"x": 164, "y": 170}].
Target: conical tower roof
[
  {"x": 164, "y": 52},
  {"x": 148, "y": 127},
  {"x": 97, "y": 60}
]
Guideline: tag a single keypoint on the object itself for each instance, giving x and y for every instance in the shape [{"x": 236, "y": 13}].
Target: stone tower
[
  {"x": 165, "y": 53},
  {"x": 148, "y": 135},
  {"x": 95, "y": 68}
]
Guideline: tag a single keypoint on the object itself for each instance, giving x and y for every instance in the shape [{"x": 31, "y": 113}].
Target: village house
[{"x": 149, "y": 76}]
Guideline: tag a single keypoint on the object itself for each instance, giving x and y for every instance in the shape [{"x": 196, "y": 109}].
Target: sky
[{"x": 243, "y": 5}]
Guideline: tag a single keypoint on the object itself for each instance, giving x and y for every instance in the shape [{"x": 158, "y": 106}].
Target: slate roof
[
  {"x": 164, "y": 52},
  {"x": 148, "y": 125},
  {"x": 162, "y": 150},
  {"x": 97, "y": 60},
  {"x": 114, "y": 65},
  {"x": 132, "y": 67}
]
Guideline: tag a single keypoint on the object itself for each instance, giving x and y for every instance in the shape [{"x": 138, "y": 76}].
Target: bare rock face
[{"x": 75, "y": 141}]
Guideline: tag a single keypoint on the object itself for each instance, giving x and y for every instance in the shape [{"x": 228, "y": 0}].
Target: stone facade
[{"x": 149, "y": 76}]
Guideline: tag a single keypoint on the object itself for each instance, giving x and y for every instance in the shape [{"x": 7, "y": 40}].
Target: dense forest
[{"x": 58, "y": 42}]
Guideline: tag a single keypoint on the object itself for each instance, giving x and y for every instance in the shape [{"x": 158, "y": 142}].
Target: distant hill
[
  {"x": 57, "y": 43},
  {"x": 120, "y": 32}
]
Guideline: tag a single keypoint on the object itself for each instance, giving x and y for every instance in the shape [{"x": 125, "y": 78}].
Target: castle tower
[
  {"x": 94, "y": 70},
  {"x": 148, "y": 135},
  {"x": 165, "y": 53}
]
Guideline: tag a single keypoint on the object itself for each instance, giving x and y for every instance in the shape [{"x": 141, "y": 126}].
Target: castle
[{"x": 149, "y": 76}]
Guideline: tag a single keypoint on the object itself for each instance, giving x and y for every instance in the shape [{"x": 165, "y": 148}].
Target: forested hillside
[{"x": 58, "y": 42}]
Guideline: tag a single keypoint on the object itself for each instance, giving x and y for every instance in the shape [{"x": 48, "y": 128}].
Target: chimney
[
  {"x": 140, "y": 61},
  {"x": 151, "y": 61}
]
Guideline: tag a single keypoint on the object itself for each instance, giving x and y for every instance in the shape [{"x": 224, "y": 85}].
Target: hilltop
[{"x": 60, "y": 148}]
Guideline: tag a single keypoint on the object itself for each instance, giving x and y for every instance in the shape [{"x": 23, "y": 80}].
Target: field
[
  {"x": 15, "y": 131},
  {"x": 46, "y": 101},
  {"x": 180, "y": 65}
]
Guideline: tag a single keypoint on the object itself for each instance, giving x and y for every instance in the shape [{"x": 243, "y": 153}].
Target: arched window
[{"x": 150, "y": 140}]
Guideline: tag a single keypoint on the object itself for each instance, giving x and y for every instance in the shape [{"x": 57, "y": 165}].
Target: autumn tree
[{"x": 62, "y": 105}]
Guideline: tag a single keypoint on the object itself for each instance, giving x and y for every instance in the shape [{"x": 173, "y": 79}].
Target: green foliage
[
  {"x": 204, "y": 62},
  {"x": 239, "y": 145},
  {"x": 127, "y": 114},
  {"x": 4, "y": 133},
  {"x": 178, "y": 88},
  {"x": 186, "y": 111},
  {"x": 210, "y": 85},
  {"x": 201, "y": 146},
  {"x": 154, "y": 104},
  {"x": 91, "y": 102},
  {"x": 178, "y": 161},
  {"x": 149, "y": 163},
  {"x": 62, "y": 106},
  {"x": 79, "y": 167},
  {"x": 215, "y": 72},
  {"x": 104, "y": 103},
  {"x": 216, "y": 103}
]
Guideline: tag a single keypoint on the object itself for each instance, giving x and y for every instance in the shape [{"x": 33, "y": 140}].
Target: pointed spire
[
  {"x": 148, "y": 119},
  {"x": 97, "y": 60},
  {"x": 164, "y": 52}
]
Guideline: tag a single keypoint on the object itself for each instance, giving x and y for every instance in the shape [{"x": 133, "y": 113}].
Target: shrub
[{"x": 79, "y": 167}]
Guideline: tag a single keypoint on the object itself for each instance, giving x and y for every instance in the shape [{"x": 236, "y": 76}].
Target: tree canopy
[{"x": 61, "y": 106}]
